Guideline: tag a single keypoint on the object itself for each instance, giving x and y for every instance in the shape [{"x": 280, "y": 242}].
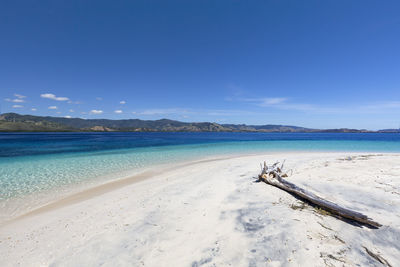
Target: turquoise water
[{"x": 32, "y": 163}]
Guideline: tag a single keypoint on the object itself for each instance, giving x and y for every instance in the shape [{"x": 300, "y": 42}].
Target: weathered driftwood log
[{"x": 273, "y": 175}]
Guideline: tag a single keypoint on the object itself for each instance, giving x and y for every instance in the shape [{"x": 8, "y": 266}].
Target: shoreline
[
  {"x": 103, "y": 188},
  {"x": 210, "y": 211},
  {"x": 90, "y": 190}
]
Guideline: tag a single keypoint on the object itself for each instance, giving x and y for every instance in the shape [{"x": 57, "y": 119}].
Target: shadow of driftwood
[{"x": 326, "y": 212}]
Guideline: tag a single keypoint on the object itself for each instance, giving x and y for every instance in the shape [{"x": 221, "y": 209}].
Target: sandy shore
[{"x": 211, "y": 213}]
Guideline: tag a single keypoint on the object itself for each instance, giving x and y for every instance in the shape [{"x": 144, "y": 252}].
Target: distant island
[{"x": 13, "y": 122}]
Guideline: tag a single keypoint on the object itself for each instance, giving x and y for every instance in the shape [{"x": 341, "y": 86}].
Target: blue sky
[{"x": 321, "y": 64}]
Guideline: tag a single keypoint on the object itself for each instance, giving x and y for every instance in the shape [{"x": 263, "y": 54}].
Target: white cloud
[
  {"x": 19, "y": 96},
  {"x": 74, "y": 102},
  {"x": 283, "y": 103},
  {"x": 33, "y": 109},
  {"x": 266, "y": 101},
  {"x": 122, "y": 102},
  {"x": 164, "y": 111},
  {"x": 58, "y": 112},
  {"x": 185, "y": 112},
  {"x": 17, "y": 106},
  {"x": 95, "y": 111},
  {"x": 273, "y": 101},
  {"x": 17, "y": 100},
  {"x": 54, "y": 97},
  {"x": 71, "y": 110},
  {"x": 225, "y": 112},
  {"x": 118, "y": 111},
  {"x": 67, "y": 117},
  {"x": 52, "y": 107},
  {"x": 99, "y": 98}
]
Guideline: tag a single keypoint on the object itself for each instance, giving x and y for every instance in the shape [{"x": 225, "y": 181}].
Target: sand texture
[{"x": 212, "y": 213}]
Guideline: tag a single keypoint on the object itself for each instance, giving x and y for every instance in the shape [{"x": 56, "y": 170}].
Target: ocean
[{"x": 34, "y": 163}]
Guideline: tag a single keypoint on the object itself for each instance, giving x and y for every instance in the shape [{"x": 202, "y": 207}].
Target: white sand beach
[{"x": 212, "y": 213}]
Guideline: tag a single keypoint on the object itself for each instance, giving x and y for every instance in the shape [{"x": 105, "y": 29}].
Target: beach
[
  {"x": 200, "y": 133},
  {"x": 211, "y": 212}
]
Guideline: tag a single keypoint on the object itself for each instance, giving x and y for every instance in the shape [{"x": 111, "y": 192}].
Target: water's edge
[{"x": 35, "y": 169}]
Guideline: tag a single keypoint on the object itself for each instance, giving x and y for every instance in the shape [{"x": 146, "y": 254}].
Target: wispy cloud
[
  {"x": 123, "y": 102},
  {"x": 17, "y": 106},
  {"x": 52, "y": 107},
  {"x": 185, "y": 112},
  {"x": 67, "y": 117},
  {"x": 99, "y": 98},
  {"x": 19, "y": 96},
  {"x": 166, "y": 111},
  {"x": 273, "y": 101},
  {"x": 74, "y": 102},
  {"x": 118, "y": 111},
  {"x": 54, "y": 97},
  {"x": 71, "y": 110},
  {"x": 284, "y": 103},
  {"x": 96, "y": 111},
  {"x": 266, "y": 101},
  {"x": 33, "y": 109},
  {"x": 16, "y": 100}
]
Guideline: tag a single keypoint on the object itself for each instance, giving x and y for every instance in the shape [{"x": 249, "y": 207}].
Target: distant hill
[
  {"x": 389, "y": 131},
  {"x": 13, "y": 122},
  {"x": 28, "y": 123},
  {"x": 266, "y": 128}
]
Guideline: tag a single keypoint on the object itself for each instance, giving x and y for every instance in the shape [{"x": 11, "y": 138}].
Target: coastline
[
  {"x": 49, "y": 200},
  {"x": 89, "y": 191},
  {"x": 14, "y": 208},
  {"x": 34, "y": 174},
  {"x": 214, "y": 207}
]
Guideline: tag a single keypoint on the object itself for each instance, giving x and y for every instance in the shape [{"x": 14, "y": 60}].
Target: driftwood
[{"x": 273, "y": 175}]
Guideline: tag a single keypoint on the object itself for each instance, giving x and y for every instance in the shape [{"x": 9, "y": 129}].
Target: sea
[{"x": 37, "y": 163}]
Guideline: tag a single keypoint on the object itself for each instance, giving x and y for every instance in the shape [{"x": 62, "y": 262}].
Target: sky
[{"x": 319, "y": 64}]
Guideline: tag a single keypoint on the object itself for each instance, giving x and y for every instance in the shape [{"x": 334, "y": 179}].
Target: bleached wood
[{"x": 273, "y": 175}]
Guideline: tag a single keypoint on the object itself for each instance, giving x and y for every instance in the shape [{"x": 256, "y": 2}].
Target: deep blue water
[
  {"x": 34, "y": 162},
  {"x": 25, "y": 144}
]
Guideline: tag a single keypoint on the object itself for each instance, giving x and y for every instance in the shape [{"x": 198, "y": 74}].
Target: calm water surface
[{"x": 35, "y": 162}]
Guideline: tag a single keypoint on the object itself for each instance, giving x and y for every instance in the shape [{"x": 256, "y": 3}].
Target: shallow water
[{"x": 41, "y": 162}]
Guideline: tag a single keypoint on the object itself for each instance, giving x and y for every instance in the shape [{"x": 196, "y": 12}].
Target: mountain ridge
[{"x": 13, "y": 122}]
